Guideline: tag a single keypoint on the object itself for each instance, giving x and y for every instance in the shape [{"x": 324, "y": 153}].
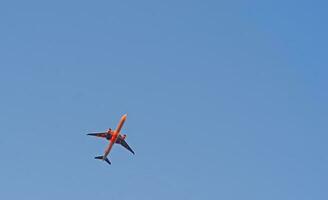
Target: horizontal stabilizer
[{"x": 102, "y": 158}]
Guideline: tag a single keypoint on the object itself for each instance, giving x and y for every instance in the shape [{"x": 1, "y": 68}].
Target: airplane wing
[
  {"x": 101, "y": 135},
  {"x": 125, "y": 145}
]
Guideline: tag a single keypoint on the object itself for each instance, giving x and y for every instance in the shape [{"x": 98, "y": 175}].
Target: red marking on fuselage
[{"x": 115, "y": 135}]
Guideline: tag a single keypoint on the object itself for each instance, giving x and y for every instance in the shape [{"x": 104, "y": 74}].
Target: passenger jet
[{"x": 113, "y": 136}]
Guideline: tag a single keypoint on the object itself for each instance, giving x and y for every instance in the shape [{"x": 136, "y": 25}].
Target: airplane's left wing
[{"x": 125, "y": 145}]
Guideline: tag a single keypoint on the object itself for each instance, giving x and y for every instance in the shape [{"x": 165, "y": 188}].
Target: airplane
[{"x": 113, "y": 136}]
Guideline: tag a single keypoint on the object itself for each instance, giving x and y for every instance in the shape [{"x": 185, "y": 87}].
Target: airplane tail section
[{"x": 102, "y": 158}]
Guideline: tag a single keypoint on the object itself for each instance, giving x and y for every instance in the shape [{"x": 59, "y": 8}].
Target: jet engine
[{"x": 123, "y": 137}]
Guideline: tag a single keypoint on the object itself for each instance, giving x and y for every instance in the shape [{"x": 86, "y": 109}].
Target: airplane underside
[{"x": 114, "y": 137}]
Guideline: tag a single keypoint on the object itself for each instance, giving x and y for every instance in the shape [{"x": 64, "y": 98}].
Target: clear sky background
[{"x": 225, "y": 99}]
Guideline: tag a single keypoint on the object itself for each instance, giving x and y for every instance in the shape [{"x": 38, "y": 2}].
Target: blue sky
[{"x": 225, "y": 99}]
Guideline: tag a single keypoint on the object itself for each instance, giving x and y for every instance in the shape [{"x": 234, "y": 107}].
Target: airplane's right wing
[{"x": 101, "y": 135}]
